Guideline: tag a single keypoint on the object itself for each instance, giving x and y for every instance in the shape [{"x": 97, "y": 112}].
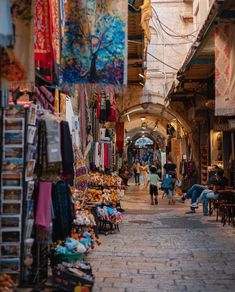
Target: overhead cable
[
  {"x": 162, "y": 62},
  {"x": 175, "y": 35}
]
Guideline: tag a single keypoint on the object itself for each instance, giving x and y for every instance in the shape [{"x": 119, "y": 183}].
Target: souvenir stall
[
  {"x": 60, "y": 216},
  {"x": 188, "y": 172}
]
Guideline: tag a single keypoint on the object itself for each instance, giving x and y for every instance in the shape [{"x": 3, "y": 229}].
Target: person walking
[
  {"x": 136, "y": 168},
  {"x": 153, "y": 180},
  {"x": 145, "y": 172}
]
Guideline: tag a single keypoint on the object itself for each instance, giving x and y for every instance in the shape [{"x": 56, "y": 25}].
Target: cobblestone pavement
[{"x": 160, "y": 248}]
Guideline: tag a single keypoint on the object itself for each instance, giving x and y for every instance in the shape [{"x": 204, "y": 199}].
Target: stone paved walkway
[{"x": 159, "y": 248}]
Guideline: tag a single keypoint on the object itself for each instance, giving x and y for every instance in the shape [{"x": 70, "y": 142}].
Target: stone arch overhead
[{"x": 160, "y": 112}]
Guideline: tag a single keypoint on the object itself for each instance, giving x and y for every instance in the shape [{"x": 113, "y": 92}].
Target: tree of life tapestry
[{"x": 94, "y": 42}]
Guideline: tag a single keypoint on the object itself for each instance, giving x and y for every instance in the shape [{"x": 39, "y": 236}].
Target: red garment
[
  {"x": 119, "y": 135},
  {"x": 43, "y": 55},
  {"x": 113, "y": 108},
  {"x": 106, "y": 155}
]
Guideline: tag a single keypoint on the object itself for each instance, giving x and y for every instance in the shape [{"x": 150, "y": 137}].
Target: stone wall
[{"x": 172, "y": 21}]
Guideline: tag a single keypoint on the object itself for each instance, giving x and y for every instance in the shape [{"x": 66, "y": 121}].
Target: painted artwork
[{"x": 94, "y": 42}]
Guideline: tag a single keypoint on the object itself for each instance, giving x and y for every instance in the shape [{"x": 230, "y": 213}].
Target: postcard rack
[{"x": 18, "y": 156}]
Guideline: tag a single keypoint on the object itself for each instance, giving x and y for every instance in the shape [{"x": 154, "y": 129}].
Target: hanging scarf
[
  {"x": 55, "y": 29},
  {"x": 66, "y": 150},
  {"x": 42, "y": 45},
  {"x": 43, "y": 209},
  {"x": 63, "y": 210}
]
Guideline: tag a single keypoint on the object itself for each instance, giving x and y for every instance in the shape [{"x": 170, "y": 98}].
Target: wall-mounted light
[
  {"x": 142, "y": 84},
  {"x": 141, "y": 75},
  {"x": 128, "y": 118}
]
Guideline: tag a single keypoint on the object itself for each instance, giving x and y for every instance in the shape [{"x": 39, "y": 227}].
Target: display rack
[{"x": 13, "y": 137}]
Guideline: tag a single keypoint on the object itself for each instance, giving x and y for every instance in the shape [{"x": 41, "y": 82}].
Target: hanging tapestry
[
  {"x": 224, "y": 69},
  {"x": 42, "y": 46},
  {"x": 16, "y": 62},
  {"x": 94, "y": 42},
  {"x": 55, "y": 29},
  {"x": 119, "y": 135}
]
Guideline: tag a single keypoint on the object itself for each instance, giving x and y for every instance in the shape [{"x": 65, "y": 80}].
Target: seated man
[
  {"x": 195, "y": 191},
  {"x": 206, "y": 195},
  {"x": 125, "y": 174}
]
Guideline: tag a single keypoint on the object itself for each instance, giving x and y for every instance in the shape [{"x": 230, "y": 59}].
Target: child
[
  {"x": 153, "y": 180},
  {"x": 168, "y": 185}
]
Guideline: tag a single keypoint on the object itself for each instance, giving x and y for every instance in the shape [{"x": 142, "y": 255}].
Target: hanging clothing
[
  {"x": 112, "y": 117},
  {"x": 69, "y": 114},
  {"x": 106, "y": 156},
  {"x": 56, "y": 103},
  {"x": 63, "y": 210},
  {"x": 63, "y": 104},
  {"x": 44, "y": 168},
  {"x": 43, "y": 53},
  {"x": 66, "y": 150},
  {"x": 53, "y": 141},
  {"x": 43, "y": 208}
]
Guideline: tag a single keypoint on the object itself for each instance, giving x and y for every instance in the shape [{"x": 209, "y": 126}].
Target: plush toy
[
  {"x": 86, "y": 240},
  {"x": 71, "y": 243}
]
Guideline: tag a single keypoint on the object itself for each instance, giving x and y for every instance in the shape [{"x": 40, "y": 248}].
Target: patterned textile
[
  {"x": 45, "y": 170},
  {"x": 224, "y": 69},
  {"x": 42, "y": 45},
  {"x": 94, "y": 42},
  {"x": 55, "y": 29}
]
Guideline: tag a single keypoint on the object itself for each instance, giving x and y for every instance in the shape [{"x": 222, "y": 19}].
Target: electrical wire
[
  {"x": 175, "y": 35},
  {"x": 134, "y": 8},
  {"x": 162, "y": 62}
]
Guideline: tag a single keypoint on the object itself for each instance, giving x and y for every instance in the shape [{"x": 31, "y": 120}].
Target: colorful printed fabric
[
  {"x": 224, "y": 69},
  {"x": 55, "y": 29},
  {"x": 42, "y": 45},
  {"x": 94, "y": 42}
]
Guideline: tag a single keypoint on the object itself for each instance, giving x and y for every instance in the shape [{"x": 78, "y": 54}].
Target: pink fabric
[
  {"x": 224, "y": 69},
  {"x": 43, "y": 212}
]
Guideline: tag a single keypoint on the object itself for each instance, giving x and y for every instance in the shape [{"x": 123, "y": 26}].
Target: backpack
[{"x": 166, "y": 181}]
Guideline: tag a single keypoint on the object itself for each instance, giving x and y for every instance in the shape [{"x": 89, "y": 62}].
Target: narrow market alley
[{"x": 159, "y": 248}]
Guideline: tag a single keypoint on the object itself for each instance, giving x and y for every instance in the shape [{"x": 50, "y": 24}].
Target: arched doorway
[{"x": 145, "y": 147}]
